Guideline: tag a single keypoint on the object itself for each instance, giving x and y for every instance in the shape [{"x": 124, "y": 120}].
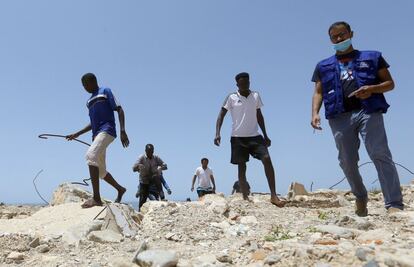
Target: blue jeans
[{"x": 345, "y": 128}]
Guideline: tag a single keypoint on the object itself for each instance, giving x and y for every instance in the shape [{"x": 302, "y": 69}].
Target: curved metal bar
[
  {"x": 37, "y": 191},
  {"x": 45, "y": 136}
]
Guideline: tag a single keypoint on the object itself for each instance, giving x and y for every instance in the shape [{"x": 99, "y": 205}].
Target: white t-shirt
[
  {"x": 203, "y": 177},
  {"x": 244, "y": 113}
]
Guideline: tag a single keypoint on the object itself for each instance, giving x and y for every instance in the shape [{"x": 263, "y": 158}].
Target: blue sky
[{"x": 171, "y": 64}]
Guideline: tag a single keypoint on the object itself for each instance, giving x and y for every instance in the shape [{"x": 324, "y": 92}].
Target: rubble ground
[{"x": 314, "y": 229}]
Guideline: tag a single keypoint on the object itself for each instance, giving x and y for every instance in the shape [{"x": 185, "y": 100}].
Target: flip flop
[{"x": 91, "y": 203}]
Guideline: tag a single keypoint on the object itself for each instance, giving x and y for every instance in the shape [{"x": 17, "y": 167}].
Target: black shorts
[{"x": 242, "y": 147}]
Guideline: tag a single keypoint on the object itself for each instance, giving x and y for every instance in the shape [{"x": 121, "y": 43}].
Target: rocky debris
[
  {"x": 105, "y": 236},
  {"x": 216, "y": 203},
  {"x": 218, "y": 231},
  {"x": 250, "y": 220},
  {"x": 377, "y": 236},
  {"x": 69, "y": 193},
  {"x": 78, "y": 232},
  {"x": 272, "y": 259},
  {"x": 322, "y": 198},
  {"x": 371, "y": 263},
  {"x": 122, "y": 219},
  {"x": 224, "y": 257},
  {"x": 336, "y": 231},
  {"x": 361, "y": 254},
  {"x": 17, "y": 212},
  {"x": 296, "y": 189},
  {"x": 157, "y": 258},
  {"x": 43, "y": 248},
  {"x": 15, "y": 256},
  {"x": 35, "y": 242},
  {"x": 205, "y": 260}
]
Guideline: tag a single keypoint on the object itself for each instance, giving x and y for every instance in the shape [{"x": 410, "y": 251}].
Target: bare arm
[
  {"x": 162, "y": 165},
  {"x": 79, "y": 133},
  {"x": 124, "y": 136},
  {"x": 387, "y": 84},
  {"x": 261, "y": 122},
  {"x": 213, "y": 182},
  {"x": 192, "y": 184},
  {"x": 219, "y": 123},
  {"x": 137, "y": 166},
  {"x": 316, "y": 106}
]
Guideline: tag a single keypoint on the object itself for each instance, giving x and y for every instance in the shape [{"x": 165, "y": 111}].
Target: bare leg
[
  {"x": 270, "y": 175},
  {"x": 96, "y": 201},
  {"x": 121, "y": 190},
  {"x": 242, "y": 180}
]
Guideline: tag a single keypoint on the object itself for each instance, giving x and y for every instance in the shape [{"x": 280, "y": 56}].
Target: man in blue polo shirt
[
  {"x": 351, "y": 84},
  {"x": 101, "y": 105}
]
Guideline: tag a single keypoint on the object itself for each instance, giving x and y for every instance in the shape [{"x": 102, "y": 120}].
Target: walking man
[
  {"x": 101, "y": 105},
  {"x": 150, "y": 167},
  {"x": 245, "y": 108},
  {"x": 351, "y": 84},
  {"x": 204, "y": 175}
]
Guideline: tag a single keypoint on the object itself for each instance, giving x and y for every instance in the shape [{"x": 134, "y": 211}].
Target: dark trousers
[
  {"x": 143, "y": 194},
  {"x": 144, "y": 190}
]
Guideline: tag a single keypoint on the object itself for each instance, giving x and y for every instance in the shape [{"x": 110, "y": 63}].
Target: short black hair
[
  {"x": 339, "y": 23},
  {"x": 242, "y": 75},
  {"x": 149, "y": 146},
  {"x": 89, "y": 77},
  {"x": 203, "y": 159}
]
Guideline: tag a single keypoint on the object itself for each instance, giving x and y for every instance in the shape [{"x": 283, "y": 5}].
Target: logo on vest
[{"x": 363, "y": 65}]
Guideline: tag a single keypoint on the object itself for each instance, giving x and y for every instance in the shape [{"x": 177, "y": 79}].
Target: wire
[
  {"x": 37, "y": 191},
  {"x": 45, "y": 136},
  {"x": 370, "y": 162}
]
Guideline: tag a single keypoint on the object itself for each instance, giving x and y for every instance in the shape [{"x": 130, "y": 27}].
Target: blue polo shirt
[{"x": 102, "y": 105}]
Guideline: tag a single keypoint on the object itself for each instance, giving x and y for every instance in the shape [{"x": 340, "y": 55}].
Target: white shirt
[
  {"x": 244, "y": 113},
  {"x": 203, "y": 177}
]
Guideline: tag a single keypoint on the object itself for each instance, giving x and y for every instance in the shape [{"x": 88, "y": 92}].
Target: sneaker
[
  {"x": 393, "y": 210},
  {"x": 361, "y": 207}
]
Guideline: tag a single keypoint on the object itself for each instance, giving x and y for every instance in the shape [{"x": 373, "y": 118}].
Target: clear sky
[{"x": 171, "y": 65}]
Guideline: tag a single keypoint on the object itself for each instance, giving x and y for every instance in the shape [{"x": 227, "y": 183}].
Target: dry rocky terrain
[{"x": 314, "y": 229}]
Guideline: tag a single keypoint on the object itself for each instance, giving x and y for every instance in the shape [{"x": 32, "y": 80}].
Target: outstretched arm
[
  {"x": 77, "y": 134},
  {"x": 219, "y": 123},
  {"x": 260, "y": 121},
  {"x": 124, "y": 136}
]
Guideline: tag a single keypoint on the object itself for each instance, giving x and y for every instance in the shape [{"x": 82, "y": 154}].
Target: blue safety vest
[{"x": 365, "y": 69}]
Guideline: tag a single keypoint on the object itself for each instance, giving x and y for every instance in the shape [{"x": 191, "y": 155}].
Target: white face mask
[{"x": 342, "y": 46}]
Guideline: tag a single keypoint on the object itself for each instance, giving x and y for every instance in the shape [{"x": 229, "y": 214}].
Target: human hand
[
  {"x": 217, "y": 140},
  {"x": 316, "y": 122},
  {"x": 124, "y": 139},
  {"x": 192, "y": 188},
  {"x": 169, "y": 191},
  {"x": 268, "y": 142},
  {"x": 363, "y": 92},
  {"x": 70, "y": 137}
]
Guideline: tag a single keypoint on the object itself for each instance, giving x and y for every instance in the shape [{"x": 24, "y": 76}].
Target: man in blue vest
[{"x": 351, "y": 85}]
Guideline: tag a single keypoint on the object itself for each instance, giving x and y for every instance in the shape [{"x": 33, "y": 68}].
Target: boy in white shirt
[{"x": 205, "y": 175}]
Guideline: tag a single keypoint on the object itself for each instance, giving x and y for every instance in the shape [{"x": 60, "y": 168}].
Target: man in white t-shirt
[
  {"x": 205, "y": 175},
  {"x": 244, "y": 106}
]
